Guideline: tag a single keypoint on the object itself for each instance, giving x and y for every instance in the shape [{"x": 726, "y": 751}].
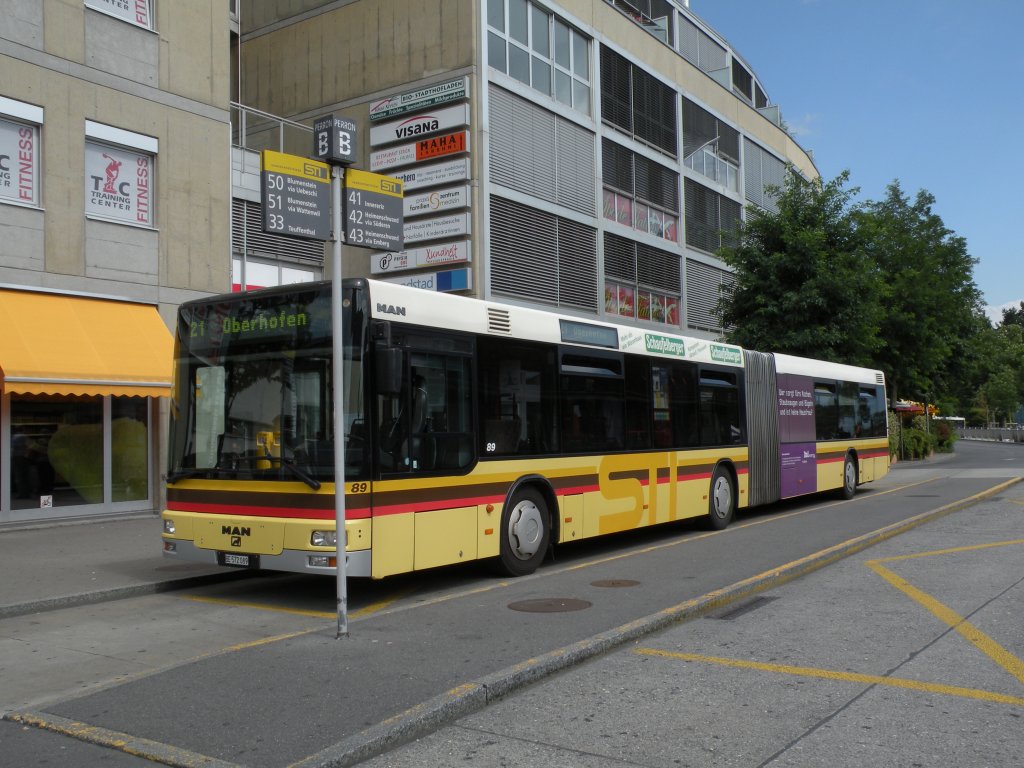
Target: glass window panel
[
  {"x": 496, "y": 52},
  {"x": 541, "y": 76},
  {"x": 609, "y": 204},
  {"x": 56, "y": 451},
  {"x": 518, "y": 21},
  {"x": 129, "y": 448},
  {"x": 541, "y": 31},
  {"x": 562, "y": 49},
  {"x": 580, "y": 56},
  {"x": 581, "y": 97},
  {"x": 496, "y": 14},
  {"x": 563, "y": 87},
  {"x": 519, "y": 64}
]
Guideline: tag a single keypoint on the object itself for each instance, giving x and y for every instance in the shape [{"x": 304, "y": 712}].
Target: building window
[
  {"x": 705, "y": 286},
  {"x": 711, "y": 218},
  {"x": 553, "y": 261},
  {"x": 541, "y": 154},
  {"x": 19, "y": 152},
  {"x": 742, "y": 81},
  {"x": 641, "y": 282},
  {"x": 119, "y": 181},
  {"x": 639, "y": 192},
  {"x": 249, "y": 274},
  {"x": 59, "y": 451},
  {"x": 710, "y": 146},
  {"x": 655, "y": 16},
  {"x": 540, "y": 50},
  {"x": 764, "y": 176},
  {"x": 137, "y": 12},
  {"x": 637, "y": 103}
]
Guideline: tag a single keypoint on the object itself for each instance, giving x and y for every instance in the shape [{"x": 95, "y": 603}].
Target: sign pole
[{"x": 337, "y": 329}]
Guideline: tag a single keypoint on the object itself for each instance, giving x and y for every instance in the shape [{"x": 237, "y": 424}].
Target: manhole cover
[
  {"x": 614, "y": 583},
  {"x": 550, "y": 605}
]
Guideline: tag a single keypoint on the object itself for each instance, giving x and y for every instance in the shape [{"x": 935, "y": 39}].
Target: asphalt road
[{"x": 251, "y": 673}]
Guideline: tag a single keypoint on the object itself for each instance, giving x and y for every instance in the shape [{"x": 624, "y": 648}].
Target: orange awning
[{"x": 56, "y": 344}]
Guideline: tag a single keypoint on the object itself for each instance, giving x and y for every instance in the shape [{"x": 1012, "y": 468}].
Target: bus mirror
[{"x": 389, "y": 370}]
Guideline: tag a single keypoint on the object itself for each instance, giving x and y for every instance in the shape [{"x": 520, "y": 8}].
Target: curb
[
  {"x": 117, "y": 593},
  {"x": 471, "y": 697}
]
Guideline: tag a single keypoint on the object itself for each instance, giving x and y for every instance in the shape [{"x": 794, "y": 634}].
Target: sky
[{"x": 926, "y": 92}]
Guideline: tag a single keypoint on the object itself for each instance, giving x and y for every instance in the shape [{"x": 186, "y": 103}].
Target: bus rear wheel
[
  {"x": 525, "y": 532},
  {"x": 721, "y": 499},
  {"x": 849, "y": 478}
]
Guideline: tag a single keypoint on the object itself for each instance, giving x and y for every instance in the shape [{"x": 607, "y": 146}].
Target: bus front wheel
[
  {"x": 721, "y": 499},
  {"x": 525, "y": 531}
]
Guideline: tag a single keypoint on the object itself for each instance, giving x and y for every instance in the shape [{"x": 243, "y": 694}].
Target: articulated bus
[{"x": 480, "y": 430}]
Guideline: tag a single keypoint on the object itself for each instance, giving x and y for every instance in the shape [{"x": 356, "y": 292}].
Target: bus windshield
[{"x": 253, "y": 387}]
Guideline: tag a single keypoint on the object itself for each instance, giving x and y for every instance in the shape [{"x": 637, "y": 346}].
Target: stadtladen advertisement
[
  {"x": 424, "y": 98},
  {"x": 415, "y": 126},
  {"x": 437, "y": 201},
  {"x": 425, "y": 149},
  {"x": 433, "y": 175},
  {"x": 427, "y": 256}
]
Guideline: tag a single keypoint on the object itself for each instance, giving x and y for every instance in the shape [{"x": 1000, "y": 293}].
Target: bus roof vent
[
  {"x": 880, "y": 379},
  {"x": 498, "y": 320}
]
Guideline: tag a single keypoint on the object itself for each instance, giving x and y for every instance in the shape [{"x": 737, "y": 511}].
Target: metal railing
[
  {"x": 256, "y": 130},
  {"x": 999, "y": 434}
]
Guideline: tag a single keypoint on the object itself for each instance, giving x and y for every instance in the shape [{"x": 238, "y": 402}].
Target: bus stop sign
[{"x": 334, "y": 139}]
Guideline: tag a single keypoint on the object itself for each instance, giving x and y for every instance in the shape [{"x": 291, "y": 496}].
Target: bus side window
[
  {"x": 847, "y": 402},
  {"x": 719, "y": 408},
  {"x": 826, "y": 410}
]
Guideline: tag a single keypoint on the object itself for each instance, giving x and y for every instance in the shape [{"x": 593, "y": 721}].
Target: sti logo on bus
[{"x": 390, "y": 309}]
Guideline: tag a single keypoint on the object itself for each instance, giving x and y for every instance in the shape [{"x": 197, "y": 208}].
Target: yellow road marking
[
  {"x": 849, "y": 677},
  {"x": 947, "y": 615},
  {"x": 366, "y": 610}
]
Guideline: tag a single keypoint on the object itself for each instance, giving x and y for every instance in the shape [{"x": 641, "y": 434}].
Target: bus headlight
[
  {"x": 324, "y": 539},
  {"x": 169, "y": 526}
]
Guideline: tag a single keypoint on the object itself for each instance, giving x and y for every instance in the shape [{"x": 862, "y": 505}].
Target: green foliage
[
  {"x": 802, "y": 283},
  {"x": 883, "y": 284},
  {"x": 929, "y": 294},
  {"x": 945, "y": 437}
]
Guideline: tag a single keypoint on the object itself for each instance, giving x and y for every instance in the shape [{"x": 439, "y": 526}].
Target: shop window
[
  {"x": 19, "y": 152},
  {"x": 129, "y": 449},
  {"x": 56, "y": 451},
  {"x": 137, "y": 12},
  {"x": 119, "y": 168}
]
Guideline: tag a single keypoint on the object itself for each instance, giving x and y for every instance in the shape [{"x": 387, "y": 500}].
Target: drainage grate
[
  {"x": 614, "y": 583},
  {"x": 550, "y": 605},
  {"x": 735, "y": 611}
]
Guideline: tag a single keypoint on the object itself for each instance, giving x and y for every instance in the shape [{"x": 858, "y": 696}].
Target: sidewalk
[
  {"x": 905, "y": 654},
  {"x": 64, "y": 564}
]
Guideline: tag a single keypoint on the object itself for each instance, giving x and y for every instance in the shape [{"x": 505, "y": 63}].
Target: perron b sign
[{"x": 334, "y": 139}]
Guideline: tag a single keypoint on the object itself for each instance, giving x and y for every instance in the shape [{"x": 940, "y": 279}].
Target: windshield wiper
[{"x": 292, "y": 467}]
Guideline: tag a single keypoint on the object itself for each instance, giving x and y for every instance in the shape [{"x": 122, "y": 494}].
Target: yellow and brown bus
[{"x": 476, "y": 430}]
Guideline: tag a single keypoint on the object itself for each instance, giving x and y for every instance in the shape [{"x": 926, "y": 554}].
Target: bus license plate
[{"x": 239, "y": 561}]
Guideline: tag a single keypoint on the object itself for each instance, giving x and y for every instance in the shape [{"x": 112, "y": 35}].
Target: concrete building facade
[
  {"x": 586, "y": 155},
  {"x": 114, "y": 201}
]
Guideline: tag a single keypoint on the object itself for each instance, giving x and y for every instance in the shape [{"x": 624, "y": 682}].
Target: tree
[
  {"x": 1014, "y": 316},
  {"x": 931, "y": 302},
  {"x": 802, "y": 283}
]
